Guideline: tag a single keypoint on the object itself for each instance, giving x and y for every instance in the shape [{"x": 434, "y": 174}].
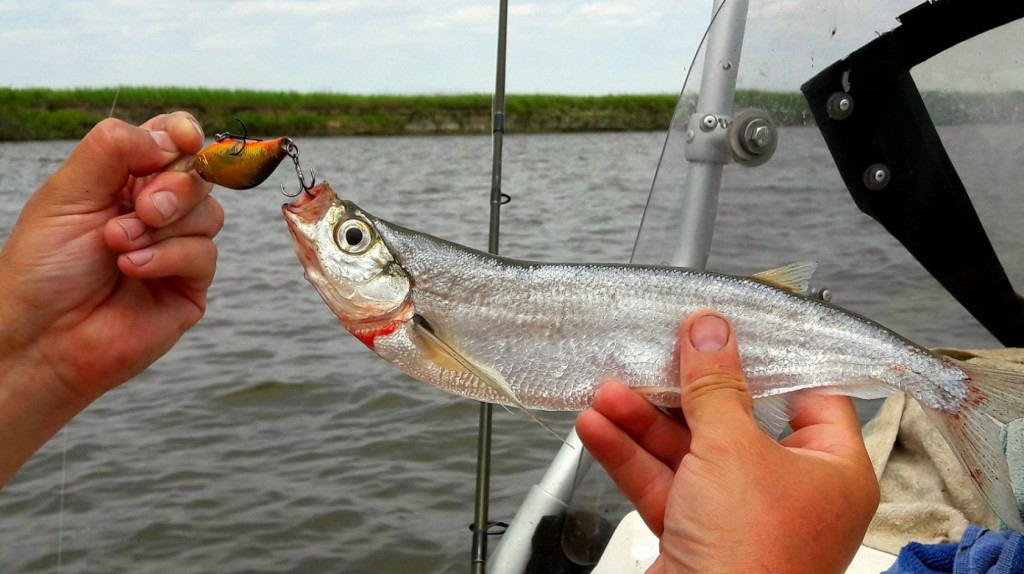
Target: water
[{"x": 270, "y": 440}]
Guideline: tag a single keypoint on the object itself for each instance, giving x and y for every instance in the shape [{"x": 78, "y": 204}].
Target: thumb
[
  {"x": 713, "y": 389},
  {"x": 100, "y": 165}
]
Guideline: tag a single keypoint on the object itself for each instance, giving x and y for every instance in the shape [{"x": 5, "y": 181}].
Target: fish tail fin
[{"x": 987, "y": 436}]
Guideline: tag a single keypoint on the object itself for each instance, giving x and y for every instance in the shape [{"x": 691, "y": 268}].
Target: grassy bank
[{"x": 41, "y": 114}]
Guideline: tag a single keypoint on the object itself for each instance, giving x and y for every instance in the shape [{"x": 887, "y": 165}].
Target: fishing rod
[{"x": 478, "y": 554}]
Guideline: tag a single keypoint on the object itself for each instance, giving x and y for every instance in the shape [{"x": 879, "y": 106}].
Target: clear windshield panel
[
  {"x": 974, "y": 93},
  {"x": 796, "y": 207},
  {"x": 785, "y": 44}
]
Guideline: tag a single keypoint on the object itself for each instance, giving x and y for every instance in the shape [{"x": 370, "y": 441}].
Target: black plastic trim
[{"x": 921, "y": 200}]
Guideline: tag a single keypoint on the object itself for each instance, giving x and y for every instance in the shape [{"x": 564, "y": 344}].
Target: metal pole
[
  {"x": 478, "y": 556},
  {"x": 708, "y": 156},
  {"x": 708, "y": 147}
]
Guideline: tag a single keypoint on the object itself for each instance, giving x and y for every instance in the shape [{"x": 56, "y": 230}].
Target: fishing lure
[{"x": 243, "y": 162}]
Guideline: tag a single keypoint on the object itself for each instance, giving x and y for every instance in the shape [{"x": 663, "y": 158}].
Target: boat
[{"x": 893, "y": 92}]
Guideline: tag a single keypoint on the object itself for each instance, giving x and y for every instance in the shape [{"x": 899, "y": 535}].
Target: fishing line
[
  {"x": 64, "y": 442},
  {"x": 671, "y": 131},
  {"x": 63, "y": 482},
  {"x": 117, "y": 93}
]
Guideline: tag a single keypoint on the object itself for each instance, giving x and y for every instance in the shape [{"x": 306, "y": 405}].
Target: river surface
[{"x": 270, "y": 440}]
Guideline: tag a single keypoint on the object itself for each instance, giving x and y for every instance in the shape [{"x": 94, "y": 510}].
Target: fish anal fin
[
  {"x": 486, "y": 375},
  {"x": 795, "y": 277},
  {"x": 667, "y": 397},
  {"x": 772, "y": 414}
]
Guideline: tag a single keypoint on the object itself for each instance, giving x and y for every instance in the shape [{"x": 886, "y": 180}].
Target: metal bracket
[{"x": 753, "y": 137}]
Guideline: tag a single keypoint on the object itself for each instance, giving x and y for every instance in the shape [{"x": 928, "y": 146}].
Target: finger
[
  {"x": 658, "y": 567},
  {"x": 182, "y": 127},
  {"x": 824, "y": 423},
  {"x": 128, "y": 233},
  {"x": 193, "y": 259},
  {"x": 169, "y": 196},
  {"x": 815, "y": 408},
  {"x": 713, "y": 389},
  {"x": 641, "y": 477},
  {"x": 100, "y": 165},
  {"x": 664, "y": 437}
]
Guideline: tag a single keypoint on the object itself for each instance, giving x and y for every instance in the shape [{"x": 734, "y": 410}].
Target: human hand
[
  {"x": 107, "y": 266},
  {"x": 720, "y": 494}
]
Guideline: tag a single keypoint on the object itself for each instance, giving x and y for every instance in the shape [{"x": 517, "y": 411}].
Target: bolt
[
  {"x": 761, "y": 137},
  {"x": 708, "y": 123},
  {"x": 726, "y": 66},
  {"x": 839, "y": 106},
  {"x": 689, "y": 136},
  {"x": 758, "y": 135},
  {"x": 876, "y": 177},
  {"x": 821, "y": 293}
]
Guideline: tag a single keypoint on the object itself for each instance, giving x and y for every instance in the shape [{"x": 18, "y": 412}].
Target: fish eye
[{"x": 353, "y": 236}]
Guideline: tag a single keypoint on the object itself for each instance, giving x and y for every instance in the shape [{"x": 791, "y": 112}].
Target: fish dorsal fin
[
  {"x": 487, "y": 375},
  {"x": 795, "y": 277}
]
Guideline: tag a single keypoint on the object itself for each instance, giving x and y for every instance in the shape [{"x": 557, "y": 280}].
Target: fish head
[{"x": 345, "y": 258}]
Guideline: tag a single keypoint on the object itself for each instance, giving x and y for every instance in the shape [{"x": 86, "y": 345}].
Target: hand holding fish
[
  {"x": 721, "y": 495},
  {"x": 107, "y": 267}
]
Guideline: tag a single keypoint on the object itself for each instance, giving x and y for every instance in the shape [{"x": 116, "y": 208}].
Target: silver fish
[{"x": 545, "y": 336}]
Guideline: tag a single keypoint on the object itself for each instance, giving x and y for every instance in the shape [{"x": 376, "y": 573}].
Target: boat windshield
[
  {"x": 798, "y": 203},
  {"x": 882, "y": 139}
]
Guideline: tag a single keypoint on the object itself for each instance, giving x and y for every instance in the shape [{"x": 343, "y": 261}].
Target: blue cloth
[{"x": 980, "y": 551}]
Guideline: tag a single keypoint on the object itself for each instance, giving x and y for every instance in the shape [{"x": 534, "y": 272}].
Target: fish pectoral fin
[
  {"x": 795, "y": 277},
  {"x": 488, "y": 376}
]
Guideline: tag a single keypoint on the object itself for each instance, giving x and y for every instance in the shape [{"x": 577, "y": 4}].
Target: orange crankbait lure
[{"x": 242, "y": 162}]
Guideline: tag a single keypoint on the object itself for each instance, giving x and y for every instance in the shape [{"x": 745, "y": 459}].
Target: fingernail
[
  {"x": 709, "y": 333},
  {"x": 183, "y": 164},
  {"x": 165, "y": 202},
  {"x": 140, "y": 257},
  {"x": 163, "y": 139},
  {"x": 132, "y": 226},
  {"x": 198, "y": 127}
]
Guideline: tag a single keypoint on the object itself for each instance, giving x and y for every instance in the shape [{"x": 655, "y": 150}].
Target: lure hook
[
  {"x": 292, "y": 151},
  {"x": 243, "y": 139}
]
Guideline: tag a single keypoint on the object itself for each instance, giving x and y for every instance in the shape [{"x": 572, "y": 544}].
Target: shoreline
[
  {"x": 47, "y": 114},
  {"x": 67, "y": 114}
]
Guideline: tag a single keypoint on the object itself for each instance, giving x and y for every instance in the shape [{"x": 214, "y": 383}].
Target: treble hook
[
  {"x": 292, "y": 151},
  {"x": 243, "y": 139}
]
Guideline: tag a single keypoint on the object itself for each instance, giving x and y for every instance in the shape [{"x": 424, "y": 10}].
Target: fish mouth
[
  {"x": 302, "y": 216},
  {"x": 309, "y": 207}
]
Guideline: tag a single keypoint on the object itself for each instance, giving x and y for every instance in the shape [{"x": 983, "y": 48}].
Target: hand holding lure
[{"x": 243, "y": 162}]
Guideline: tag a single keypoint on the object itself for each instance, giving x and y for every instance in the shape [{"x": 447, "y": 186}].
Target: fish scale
[
  {"x": 546, "y": 336},
  {"x": 650, "y": 301}
]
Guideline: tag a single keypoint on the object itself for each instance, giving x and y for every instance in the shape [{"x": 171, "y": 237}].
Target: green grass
[
  {"x": 50, "y": 114},
  {"x": 41, "y": 114}
]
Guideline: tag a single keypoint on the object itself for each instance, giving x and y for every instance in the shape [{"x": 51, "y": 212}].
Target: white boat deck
[{"x": 634, "y": 547}]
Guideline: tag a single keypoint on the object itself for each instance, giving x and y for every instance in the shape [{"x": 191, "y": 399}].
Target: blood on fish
[{"x": 368, "y": 336}]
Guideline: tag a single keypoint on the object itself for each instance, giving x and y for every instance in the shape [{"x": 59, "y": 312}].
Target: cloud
[
  {"x": 567, "y": 46},
  {"x": 301, "y": 9}
]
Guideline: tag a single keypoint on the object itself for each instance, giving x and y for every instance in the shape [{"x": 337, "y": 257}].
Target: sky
[{"x": 416, "y": 47}]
